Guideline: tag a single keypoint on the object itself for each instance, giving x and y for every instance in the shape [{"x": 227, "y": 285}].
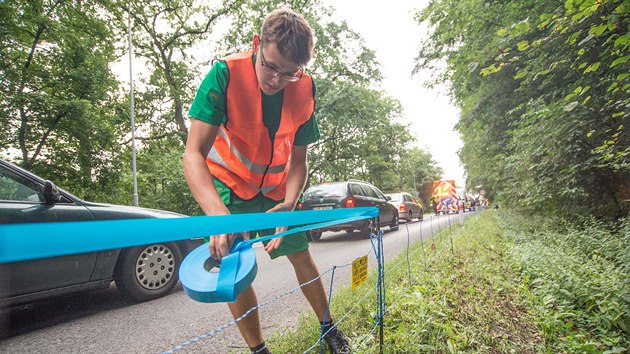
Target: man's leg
[
  {"x": 305, "y": 270},
  {"x": 250, "y": 325}
]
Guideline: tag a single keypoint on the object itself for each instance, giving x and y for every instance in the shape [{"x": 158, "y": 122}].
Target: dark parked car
[
  {"x": 141, "y": 273},
  {"x": 408, "y": 206},
  {"x": 350, "y": 194}
]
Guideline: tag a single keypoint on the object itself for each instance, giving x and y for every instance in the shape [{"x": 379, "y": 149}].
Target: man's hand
[
  {"x": 220, "y": 245},
  {"x": 276, "y": 242}
]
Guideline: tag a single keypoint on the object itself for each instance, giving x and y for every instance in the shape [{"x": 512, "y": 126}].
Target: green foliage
[
  {"x": 359, "y": 138},
  {"x": 514, "y": 283},
  {"x": 543, "y": 90},
  {"x": 165, "y": 187},
  {"x": 55, "y": 84},
  {"x": 67, "y": 116},
  {"x": 576, "y": 276}
]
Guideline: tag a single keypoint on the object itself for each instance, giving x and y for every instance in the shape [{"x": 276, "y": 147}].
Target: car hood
[{"x": 103, "y": 211}]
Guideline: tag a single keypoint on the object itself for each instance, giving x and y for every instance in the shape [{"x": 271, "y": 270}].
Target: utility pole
[{"x": 131, "y": 113}]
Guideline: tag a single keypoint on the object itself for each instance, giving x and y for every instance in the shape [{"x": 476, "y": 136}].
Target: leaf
[
  {"x": 569, "y": 107},
  {"x": 622, "y": 40},
  {"x": 588, "y": 38},
  {"x": 472, "y": 66},
  {"x": 589, "y": 134},
  {"x": 501, "y": 32},
  {"x": 592, "y": 67},
  {"x": 621, "y": 60},
  {"x": 520, "y": 74},
  {"x": 522, "y": 45},
  {"x": 598, "y": 30}
]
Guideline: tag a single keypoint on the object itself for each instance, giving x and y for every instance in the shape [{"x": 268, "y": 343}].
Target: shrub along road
[{"x": 512, "y": 284}]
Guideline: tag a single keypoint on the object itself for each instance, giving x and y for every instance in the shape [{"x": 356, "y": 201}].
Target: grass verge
[{"x": 509, "y": 284}]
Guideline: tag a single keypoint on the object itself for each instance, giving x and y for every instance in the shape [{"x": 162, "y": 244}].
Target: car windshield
[
  {"x": 326, "y": 190},
  {"x": 395, "y": 197}
]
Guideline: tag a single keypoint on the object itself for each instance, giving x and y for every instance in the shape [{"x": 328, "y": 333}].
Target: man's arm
[
  {"x": 201, "y": 137},
  {"x": 296, "y": 180},
  {"x": 297, "y": 175}
]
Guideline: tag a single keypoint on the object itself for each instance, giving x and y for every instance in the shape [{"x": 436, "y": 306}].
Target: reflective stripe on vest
[{"x": 243, "y": 155}]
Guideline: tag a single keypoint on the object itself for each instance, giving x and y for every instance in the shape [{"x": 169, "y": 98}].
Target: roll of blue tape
[{"x": 204, "y": 281}]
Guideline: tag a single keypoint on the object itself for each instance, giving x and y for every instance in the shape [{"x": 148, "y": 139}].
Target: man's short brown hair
[{"x": 291, "y": 33}]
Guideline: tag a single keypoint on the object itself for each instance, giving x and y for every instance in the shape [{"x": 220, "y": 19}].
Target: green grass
[{"x": 511, "y": 284}]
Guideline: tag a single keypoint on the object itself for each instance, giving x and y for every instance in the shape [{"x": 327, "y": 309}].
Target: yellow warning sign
[{"x": 359, "y": 271}]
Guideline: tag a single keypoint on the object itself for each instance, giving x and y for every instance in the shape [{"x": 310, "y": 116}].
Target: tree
[
  {"x": 540, "y": 86},
  {"x": 166, "y": 33},
  {"x": 56, "y": 83}
]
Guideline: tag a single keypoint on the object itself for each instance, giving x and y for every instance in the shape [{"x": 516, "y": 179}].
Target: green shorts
[{"x": 292, "y": 243}]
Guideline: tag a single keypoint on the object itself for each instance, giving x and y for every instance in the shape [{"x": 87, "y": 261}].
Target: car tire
[
  {"x": 410, "y": 217},
  {"x": 395, "y": 224},
  {"x": 148, "y": 272},
  {"x": 314, "y": 235},
  {"x": 365, "y": 231}
]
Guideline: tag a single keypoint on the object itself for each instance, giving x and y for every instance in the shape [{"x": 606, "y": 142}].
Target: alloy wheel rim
[{"x": 155, "y": 266}]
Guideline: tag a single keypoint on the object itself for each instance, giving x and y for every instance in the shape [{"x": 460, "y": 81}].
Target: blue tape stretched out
[{"x": 19, "y": 242}]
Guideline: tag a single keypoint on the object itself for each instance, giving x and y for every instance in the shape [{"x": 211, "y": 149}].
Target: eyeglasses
[{"x": 273, "y": 72}]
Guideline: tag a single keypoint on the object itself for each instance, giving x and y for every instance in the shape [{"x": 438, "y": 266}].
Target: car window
[
  {"x": 378, "y": 193},
  {"x": 15, "y": 188},
  {"x": 356, "y": 190},
  {"x": 408, "y": 198},
  {"x": 395, "y": 197},
  {"x": 326, "y": 190},
  {"x": 369, "y": 191}
]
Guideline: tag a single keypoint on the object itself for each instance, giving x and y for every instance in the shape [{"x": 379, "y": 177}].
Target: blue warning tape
[
  {"x": 19, "y": 242},
  {"x": 198, "y": 272}
]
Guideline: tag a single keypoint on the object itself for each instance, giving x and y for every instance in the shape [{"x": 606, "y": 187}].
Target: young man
[{"x": 253, "y": 118}]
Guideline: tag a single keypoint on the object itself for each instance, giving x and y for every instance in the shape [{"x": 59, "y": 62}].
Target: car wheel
[
  {"x": 314, "y": 235},
  {"x": 421, "y": 215},
  {"x": 148, "y": 272},
  {"x": 395, "y": 224},
  {"x": 410, "y": 217},
  {"x": 367, "y": 229}
]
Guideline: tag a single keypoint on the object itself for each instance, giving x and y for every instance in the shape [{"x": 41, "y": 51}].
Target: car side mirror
[
  {"x": 51, "y": 193},
  {"x": 388, "y": 198}
]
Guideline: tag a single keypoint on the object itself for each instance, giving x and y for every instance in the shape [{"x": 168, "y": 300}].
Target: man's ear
[{"x": 255, "y": 42}]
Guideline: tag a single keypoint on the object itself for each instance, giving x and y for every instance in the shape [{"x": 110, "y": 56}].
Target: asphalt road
[{"x": 104, "y": 322}]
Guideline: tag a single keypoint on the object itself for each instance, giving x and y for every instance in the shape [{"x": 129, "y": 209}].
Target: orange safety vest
[{"x": 243, "y": 155}]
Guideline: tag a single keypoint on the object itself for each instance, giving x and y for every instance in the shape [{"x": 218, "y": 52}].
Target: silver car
[{"x": 408, "y": 206}]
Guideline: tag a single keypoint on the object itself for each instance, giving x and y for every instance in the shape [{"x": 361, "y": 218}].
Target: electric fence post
[
  {"x": 424, "y": 255},
  {"x": 450, "y": 233},
  {"x": 380, "y": 285},
  {"x": 431, "y": 223}
]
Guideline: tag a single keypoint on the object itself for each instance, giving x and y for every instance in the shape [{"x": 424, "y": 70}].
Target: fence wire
[{"x": 379, "y": 289}]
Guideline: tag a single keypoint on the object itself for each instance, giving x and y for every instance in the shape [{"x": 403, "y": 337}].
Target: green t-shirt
[{"x": 209, "y": 106}]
